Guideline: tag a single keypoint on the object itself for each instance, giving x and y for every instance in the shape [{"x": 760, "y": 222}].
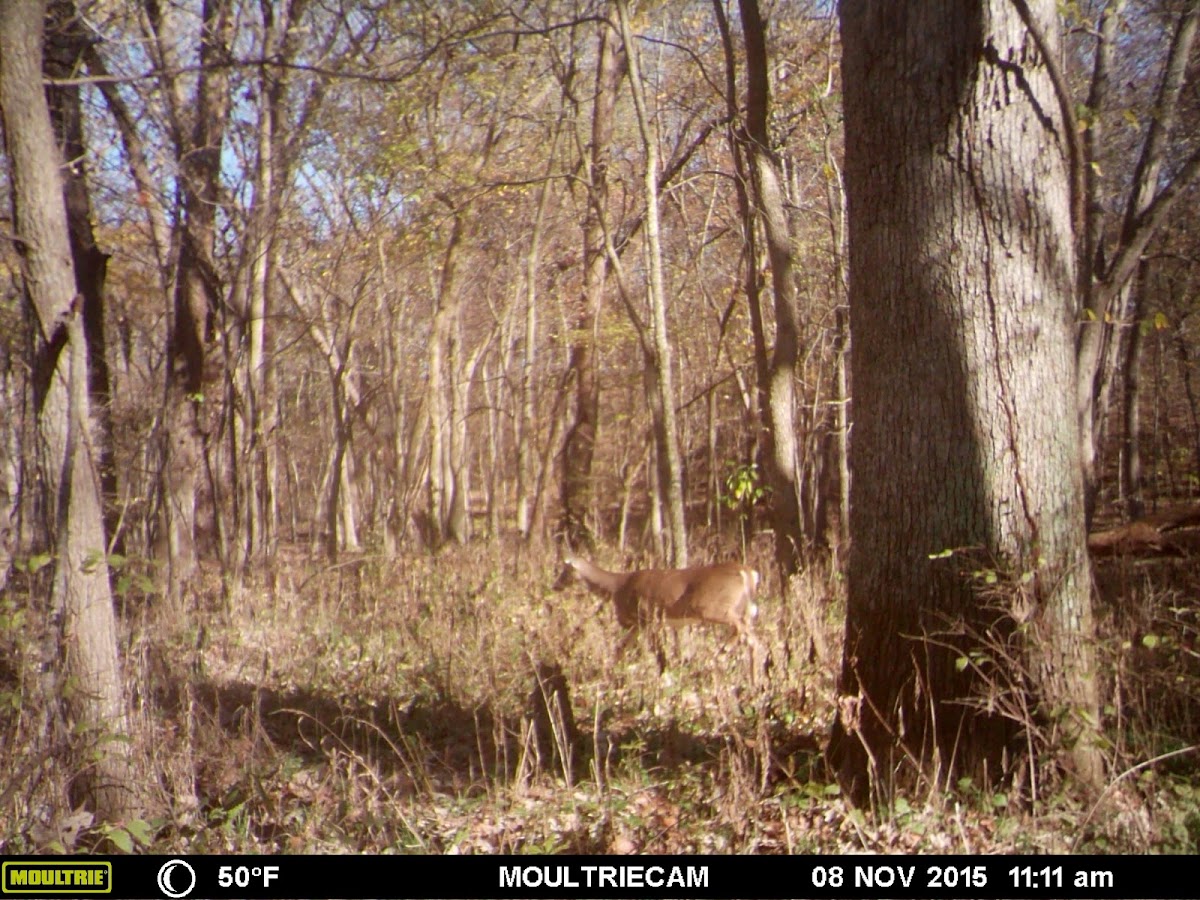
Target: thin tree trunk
[
  {"x": 1183, "y": 357},
  {"x": 347, "y": 507},
  {"x": 752, "y": 283},
  {"x": 191, "y": 401},
  {"x": 492, "y": 476},
  {"x": 782, "y": 441},
  {"x": 579, "y": 445},
  {"x": 835, "y": 200},
  {"x": 442, "y": 406},
  {"x": 525, "y": 427},
  {"x": 1105, "y": 287},
  {"x": 13, "y": 397},
  {"x": 670, "y": 464},
  {"x": 261, "y": 357},
  {"x": 463, "y": 374},
  {"x": 1131, "y": 383}
]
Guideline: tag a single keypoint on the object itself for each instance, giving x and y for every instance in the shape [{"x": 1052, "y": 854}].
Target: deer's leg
[
  {"x": 679, "y": 645},
  {"x": 631, "y": 634},
  {"x": 659, "y": 654},
  {"x": 742, "y": 632},
  {"x": 760, "y": 658},
  {"x": 652, "y": 629}
]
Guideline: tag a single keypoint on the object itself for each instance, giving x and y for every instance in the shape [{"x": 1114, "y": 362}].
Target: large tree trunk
[
  {"x": 63, "y": 55},
  {"x": 89, "y": 676},
  {"x": 965, "y": 445}
]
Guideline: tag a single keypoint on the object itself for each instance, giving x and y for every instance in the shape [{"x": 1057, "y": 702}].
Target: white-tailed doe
[{"x": 721, "y": 594}]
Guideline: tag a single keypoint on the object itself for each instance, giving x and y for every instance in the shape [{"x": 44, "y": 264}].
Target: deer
[{"x": 721, "y": 594}]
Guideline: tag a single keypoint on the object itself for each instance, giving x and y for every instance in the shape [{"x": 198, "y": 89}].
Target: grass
[{"x": 396, "y": 707}]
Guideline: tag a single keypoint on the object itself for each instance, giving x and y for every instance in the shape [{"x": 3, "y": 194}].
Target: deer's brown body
[{"x": 721, "y": 594}]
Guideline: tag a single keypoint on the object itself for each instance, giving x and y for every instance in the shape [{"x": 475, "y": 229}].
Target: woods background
[{"x": 325, "y": 326}]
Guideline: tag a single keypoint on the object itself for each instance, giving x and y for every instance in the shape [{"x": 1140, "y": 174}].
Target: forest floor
[{"x": 396, "y": 706}]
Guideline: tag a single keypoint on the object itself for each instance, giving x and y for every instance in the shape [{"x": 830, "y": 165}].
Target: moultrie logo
[{"x": 56, "y": 877}]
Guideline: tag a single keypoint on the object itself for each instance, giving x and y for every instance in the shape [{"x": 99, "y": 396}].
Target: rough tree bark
[
  {"x": 88, "y": 677},
  {"x": 64, "y": 54},
  {"x": 965, "y": 445}
]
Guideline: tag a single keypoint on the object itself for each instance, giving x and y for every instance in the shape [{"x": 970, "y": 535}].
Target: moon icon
[{"x": 164, "y": 879}]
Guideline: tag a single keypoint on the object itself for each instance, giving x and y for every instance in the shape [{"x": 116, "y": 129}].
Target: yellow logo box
[{"x": 74, "y": 877}]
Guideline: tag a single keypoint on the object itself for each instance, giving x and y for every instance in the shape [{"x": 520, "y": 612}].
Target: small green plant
[
  {"x": 128, "y": 837},
  {"x": 744, "y": 491},
  {"x": 744, "y": 488},
  {"x": 34, "y": 564}
]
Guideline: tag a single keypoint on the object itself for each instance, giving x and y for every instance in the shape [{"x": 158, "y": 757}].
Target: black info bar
[{"x": 613, "y": 877}]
